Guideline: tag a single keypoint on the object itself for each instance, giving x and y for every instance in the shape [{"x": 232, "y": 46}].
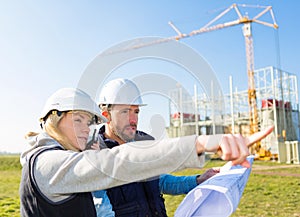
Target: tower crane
[
  {"x": 211, "y": 26},
  {"x": 246, "y": 21}
]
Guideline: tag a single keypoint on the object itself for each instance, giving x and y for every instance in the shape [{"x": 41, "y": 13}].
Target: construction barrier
[{"x": 292, "y": 152}]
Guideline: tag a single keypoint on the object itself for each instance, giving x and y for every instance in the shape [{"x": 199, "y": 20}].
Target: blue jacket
[{"x": 139, "y": 198}]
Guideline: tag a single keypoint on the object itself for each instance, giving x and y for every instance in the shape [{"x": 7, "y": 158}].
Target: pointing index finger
[{"x": 258, "y": 136}]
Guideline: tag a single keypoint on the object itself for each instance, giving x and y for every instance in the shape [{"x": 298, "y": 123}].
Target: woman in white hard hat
[{"x": 58, "y": 176}]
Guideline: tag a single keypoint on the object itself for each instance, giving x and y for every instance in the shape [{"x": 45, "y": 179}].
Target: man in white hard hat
[{"x": 120, "y": 100}]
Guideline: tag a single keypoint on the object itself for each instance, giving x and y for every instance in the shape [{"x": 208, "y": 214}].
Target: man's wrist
[{"x": 198, "y": 179}]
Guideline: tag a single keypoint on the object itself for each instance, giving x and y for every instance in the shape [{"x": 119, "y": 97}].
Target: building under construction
[{"x": 277, "y": 104}]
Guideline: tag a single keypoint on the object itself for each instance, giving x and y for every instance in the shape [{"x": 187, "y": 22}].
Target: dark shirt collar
[{"x": 110, "y": 143}]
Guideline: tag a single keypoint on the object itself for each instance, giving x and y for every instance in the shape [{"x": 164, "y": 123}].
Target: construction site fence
[{"x": 289, "y": 152}]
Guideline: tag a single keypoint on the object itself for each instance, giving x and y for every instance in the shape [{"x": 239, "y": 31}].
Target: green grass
[
  {"x": 10, "y": 174},
  {"x": 265, "y": 195}
]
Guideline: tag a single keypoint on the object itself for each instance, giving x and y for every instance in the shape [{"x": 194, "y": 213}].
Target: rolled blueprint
[{"x": 218, "y": 196}]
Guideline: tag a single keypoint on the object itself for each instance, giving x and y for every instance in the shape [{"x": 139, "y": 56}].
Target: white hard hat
[
  {"x": 120, "y": 91},
  {"x": 69, "y": 99}
]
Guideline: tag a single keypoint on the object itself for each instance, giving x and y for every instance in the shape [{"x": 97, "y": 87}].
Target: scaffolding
[{"x": 277, "y": 103}]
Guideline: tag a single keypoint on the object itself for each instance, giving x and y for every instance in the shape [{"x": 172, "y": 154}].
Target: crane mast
[
  {"x": 251, "y": 81},
  {"x": 253, "y": 115}
]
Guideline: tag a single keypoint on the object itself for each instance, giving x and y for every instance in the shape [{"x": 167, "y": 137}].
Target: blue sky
[{"x": 46, "y": 45}]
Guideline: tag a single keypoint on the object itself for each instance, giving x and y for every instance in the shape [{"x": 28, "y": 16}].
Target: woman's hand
[{"x": 230, "y": 147}]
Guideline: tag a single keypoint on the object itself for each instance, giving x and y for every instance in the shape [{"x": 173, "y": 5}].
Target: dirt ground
[{"x": 268, "y": 170}]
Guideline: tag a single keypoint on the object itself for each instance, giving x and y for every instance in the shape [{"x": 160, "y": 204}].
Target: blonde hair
[
  {"x": 31, "y": 134},
  {"x": 50, "y": 126}
]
